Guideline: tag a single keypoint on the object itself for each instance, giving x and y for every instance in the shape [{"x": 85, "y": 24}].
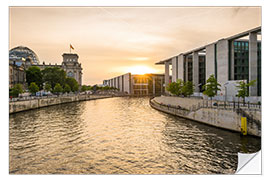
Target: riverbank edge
[
  {"x": 21, "y": 106},
  {"x": 233, "y": 125}
]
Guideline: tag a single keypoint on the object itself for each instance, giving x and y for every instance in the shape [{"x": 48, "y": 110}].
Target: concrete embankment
[
  {"x": 228, "y": 117},
  {"x": 25, "y": 105}
]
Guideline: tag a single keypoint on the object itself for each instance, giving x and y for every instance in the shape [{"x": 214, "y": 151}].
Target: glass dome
[{"x": 20, "y": 52}]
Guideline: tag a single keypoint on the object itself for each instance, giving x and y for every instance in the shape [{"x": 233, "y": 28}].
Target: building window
[
  {"x": 201, "y": 72},
  {"x": 185, "y": 69},
  {"x": 176, "y": 67},
  {"x": 259, "y": 68},
  {"x": 216, "y": 61},
  {"x": 190, "y": 69},
  {"x": 70, "y": 74},
  {"x": 241, "y": 61}
]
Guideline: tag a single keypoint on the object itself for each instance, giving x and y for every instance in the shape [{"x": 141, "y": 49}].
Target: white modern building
[
  {"x": 138, "y": 85},
  {"x": 230, "y": 59}
]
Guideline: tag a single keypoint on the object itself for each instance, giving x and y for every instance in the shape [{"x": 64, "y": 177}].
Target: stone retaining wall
[{"x": 19, "y": 106}]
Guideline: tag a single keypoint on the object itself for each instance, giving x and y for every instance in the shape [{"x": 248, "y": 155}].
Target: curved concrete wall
[{"x": 226, "y": 119}]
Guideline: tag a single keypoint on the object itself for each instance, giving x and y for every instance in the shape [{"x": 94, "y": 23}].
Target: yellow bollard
[{"x": 244, "y": 125}]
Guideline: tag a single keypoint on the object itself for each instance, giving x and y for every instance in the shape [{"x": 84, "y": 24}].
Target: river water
[{"x": 119, "y": 136}]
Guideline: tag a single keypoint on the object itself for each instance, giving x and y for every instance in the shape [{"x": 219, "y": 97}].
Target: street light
[
  {"x": 226, "y": 90},
  {"x": 199, "y": 88}
]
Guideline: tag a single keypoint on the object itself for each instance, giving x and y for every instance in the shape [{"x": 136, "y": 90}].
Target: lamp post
[
  {"x": 199, "y": 88},
  {"x": 225, "y": 85}
]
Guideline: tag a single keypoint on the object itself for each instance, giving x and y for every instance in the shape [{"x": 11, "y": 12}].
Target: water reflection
[
  {"x": 210, "y": 149},
  {"x": 119, "y": 136}
]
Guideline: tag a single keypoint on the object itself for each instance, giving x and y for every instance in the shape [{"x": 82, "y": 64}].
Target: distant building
[
  {"x": 17, "y": 74},
  {"x": 70, "y": 65},
  {"x": 21, "y": 58},
  {"x": 123, "y": 83},
  {"x": 138, "y": 85},
  {"x": 17, "y": 53}
]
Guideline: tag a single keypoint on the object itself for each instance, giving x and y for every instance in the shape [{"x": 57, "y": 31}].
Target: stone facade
[
  {"x": 70, "y": 65},
  {"x": 21, "y": 58},
  {"x": 17, "y": 74}
]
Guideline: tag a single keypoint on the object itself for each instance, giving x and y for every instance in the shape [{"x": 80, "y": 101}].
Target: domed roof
[{"x": 20, "y": 52}]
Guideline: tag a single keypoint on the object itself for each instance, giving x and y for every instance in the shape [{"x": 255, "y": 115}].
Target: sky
[{"x": 111, "y": 41}]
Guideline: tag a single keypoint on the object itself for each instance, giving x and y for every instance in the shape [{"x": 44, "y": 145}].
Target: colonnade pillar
[
  {"x": 154, "y": 85},
  {"x": 195, "y": 73},
  {"x": 174, "y": 69},
  {"x": 181, "y": 67},
  {"x": 167, "y": 74},
  {"x": 209, "y": 60},
  {"x": 253, "y": 59}
]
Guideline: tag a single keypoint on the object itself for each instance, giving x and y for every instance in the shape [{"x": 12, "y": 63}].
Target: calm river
[{"x": 119, "y": 136}]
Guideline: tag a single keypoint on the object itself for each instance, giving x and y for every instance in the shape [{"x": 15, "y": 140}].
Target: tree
[
  {"x": 181, "y": 88},
  {"x": 211, "y": 87},
  {"x": 57, "y": 88},
  {"x": 90, "y": 88},
  {"x": 243, "y": 89},
  {"x": 33, "y": 88},
  {"x": 106, "y": 88},
  {"x": 75, "y": 87},
  {"x": 73, "y": 84},
  {"x": 175, "y": 87},
  {"x": 84, "y": 88},
  {"x": 54, "y": 75},
  {"x": 188, "y": 88},
  {"x": 67, "y": 88},
  {"x": 33, "y": 74},
  {"x": 48, "y": 87},
  {"x": 16, "y": 90}
]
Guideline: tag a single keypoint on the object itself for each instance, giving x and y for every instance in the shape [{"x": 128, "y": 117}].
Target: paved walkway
[{"x": 178, "y": 101}]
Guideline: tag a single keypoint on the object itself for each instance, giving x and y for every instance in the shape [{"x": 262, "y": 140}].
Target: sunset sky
[{"x": 114, "y": 41}]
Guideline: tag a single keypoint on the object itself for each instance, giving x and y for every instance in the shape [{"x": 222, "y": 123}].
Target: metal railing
[
  {"x": 27, "y": 98},
  {"x": 212, "y": 105},
  {"x": 229, "y": 105}
]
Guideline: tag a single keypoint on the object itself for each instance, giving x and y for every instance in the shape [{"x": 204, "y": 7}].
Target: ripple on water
[{"x": 119, "y": 136}]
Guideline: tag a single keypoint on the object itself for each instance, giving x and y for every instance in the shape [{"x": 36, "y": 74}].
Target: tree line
[
  {"x": 181, "y": 88},
  {"x": 96, "y": 88},
  {"x": 51, "y": 79}
]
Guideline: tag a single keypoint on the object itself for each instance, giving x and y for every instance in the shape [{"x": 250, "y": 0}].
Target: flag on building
[{"x": 71, "y": 47}]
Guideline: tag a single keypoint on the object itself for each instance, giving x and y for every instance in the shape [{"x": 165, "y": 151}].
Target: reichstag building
[{"x": 21, "y": 58}]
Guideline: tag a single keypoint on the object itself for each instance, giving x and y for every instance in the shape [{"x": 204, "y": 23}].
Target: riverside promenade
[
  {"x": 222, "y": 115},
  {"x": 39, "y": 102}
]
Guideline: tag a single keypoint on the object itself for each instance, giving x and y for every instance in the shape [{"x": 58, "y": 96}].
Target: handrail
[
  {"x": 27, "y": 98},
  {"x": 218, "y": 105}
]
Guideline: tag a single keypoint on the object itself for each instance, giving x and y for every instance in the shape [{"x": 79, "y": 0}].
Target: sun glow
[
  {"x": 140, "y": 59},
  {"x": 141, "y": 70}
]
